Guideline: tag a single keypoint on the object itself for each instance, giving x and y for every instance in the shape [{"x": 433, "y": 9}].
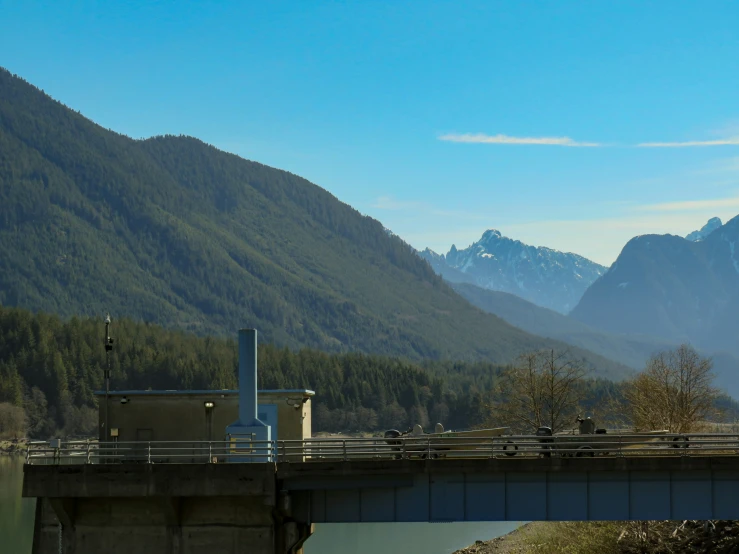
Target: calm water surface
[
  {"x": 16, "y": 513},
  {"x": 16, "y": 527}
]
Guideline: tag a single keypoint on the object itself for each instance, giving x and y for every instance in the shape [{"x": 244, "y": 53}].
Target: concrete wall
[
  {"x": 167, "y": 509},
  {"x": 308, "y": 419},
  {"x": 182, "y": 415},
  {"x": 157, "y": 526}
]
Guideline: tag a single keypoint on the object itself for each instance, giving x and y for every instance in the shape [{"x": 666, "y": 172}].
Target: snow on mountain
[
  {"x": 713, "y": 224},
  {"x": 546, "y": 277}
]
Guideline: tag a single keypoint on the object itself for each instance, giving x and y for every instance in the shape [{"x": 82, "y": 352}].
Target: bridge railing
[{"x": 402, "y": 448}]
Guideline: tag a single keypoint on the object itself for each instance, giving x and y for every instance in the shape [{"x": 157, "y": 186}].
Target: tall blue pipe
[
  {"x": 254, "y": 434},
  {"x": 248, "y": 377}
]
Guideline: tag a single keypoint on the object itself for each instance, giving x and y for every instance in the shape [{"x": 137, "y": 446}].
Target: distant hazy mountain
[
  {"x": 629, "y": 349},
  {"x": 713, "y": 224},
  {"x": 546, "y": 277},
  {"x": 673, "y": 288}
]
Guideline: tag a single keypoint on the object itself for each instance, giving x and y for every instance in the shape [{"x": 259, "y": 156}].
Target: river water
[{"x": 16, "y": 527}]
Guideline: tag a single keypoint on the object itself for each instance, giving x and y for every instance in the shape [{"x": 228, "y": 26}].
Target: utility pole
[{"x": 108, "y": 350}]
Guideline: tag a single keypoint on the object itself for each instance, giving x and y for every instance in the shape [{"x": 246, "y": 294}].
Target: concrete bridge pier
[{"x": 187, "y": 509}]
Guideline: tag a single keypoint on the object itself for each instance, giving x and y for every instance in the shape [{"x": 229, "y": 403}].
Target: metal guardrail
[{"x": 401, "y": 448}]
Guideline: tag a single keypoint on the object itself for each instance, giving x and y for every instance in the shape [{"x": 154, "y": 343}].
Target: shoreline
[
  {"x": 511, "y": 543},
  {"x": 11, "y": 447}
]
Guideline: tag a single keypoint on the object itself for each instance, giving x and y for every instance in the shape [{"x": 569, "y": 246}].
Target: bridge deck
[
  {"x": 523, "y": 490},
  {"x": 508, "y": 489}
]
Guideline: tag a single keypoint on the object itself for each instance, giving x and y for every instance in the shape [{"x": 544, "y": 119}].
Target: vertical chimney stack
[
  {"x": 249, "y": 429},
  {"x": 248, "y": 414}
]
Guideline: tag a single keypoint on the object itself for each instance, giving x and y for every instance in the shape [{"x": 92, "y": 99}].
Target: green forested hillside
[
  {"x": 172, "y": 231},
  {"x": 51, "y": 369}
]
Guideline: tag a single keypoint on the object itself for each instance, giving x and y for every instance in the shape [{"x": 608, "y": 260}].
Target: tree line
[
  {"x": 50, "y": 368},
  {"x": 673, "y": 392}
]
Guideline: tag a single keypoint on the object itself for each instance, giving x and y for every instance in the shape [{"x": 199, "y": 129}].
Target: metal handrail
[{"x": 400, "y": 448}]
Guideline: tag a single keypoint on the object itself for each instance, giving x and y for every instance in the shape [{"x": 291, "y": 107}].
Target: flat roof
[{"x": 304, "y": 392}]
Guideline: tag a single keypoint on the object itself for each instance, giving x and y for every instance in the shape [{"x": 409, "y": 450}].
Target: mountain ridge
[
  {"x": 671, "y": 287},
  {"x": 173, "y": 231},
  {"x": 712, "y": 224},
  {"x": 544, "y": 276},
  {"x": 627, "y": 348}
]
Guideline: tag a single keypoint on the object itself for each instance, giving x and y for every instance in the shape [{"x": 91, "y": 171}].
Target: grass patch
[{"x": 573, "y": 537}]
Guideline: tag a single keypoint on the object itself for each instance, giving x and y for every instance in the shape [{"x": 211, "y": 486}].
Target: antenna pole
[{"x": 108, "y": 349}]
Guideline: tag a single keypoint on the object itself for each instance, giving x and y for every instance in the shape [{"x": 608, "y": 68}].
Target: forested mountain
[
  {"x": 673, "y": 288},
  {"x": 546, "y": 277},
  {"x": 172, "y": 231}
]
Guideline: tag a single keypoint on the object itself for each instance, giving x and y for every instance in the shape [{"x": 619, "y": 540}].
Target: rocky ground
[
  {"x": 516, "y": 542},
  {"x": 699, "y": 537},
  {"x": 654, "y": 537}
]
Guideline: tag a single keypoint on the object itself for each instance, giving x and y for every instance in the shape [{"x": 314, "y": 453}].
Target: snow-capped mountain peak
[
  {"x": 541, "y": 275},
  {"x": 713, "y": 224}
]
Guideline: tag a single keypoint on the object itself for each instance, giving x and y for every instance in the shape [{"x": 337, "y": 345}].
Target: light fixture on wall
[
  {"x": 124, "y": 400},
  {"x": 294, "y": 402},
  {"x": 208, "y": 405}
]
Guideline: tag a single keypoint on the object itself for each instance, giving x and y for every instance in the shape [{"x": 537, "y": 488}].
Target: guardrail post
[
  {"x": 148, "y": 452},
  {"x": 344, "y": 445},
  {"x": 210, "y": 452},
  {"x": 405, "y": 453},
  {"x": 88, "y": 453}
]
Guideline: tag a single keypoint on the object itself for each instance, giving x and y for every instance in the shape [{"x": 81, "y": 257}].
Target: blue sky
[{"x": 574, "y": 125}]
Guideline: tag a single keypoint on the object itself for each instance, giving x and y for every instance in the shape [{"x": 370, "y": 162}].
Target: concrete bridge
[
  {"x": 560, "y": 489},
  {"x": 252, "y": 494},
  {"x": 271, "y": 507}
]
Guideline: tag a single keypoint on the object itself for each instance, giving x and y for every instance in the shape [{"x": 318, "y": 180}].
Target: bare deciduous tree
[
  {"x": 674, "y": 392},
  {"x": 542, "y": 389},
  {"x": 13, "y": 421}
]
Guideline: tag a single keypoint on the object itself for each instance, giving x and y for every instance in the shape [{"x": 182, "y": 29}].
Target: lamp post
[{"x": 108, "y": 350}]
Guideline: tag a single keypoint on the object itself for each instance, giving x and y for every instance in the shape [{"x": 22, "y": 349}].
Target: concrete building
[
  {"x": 201, "y": 415},
  {"x": 182, "y": 502}
]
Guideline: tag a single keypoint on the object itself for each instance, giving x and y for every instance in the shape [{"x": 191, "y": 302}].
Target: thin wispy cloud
[
  {"x": 691, "y": 143},
  {"x": 730, "y": 165},
  {"x": 481, "y": 138},
  {"x": 719, "y": 166},
  {"x": 691, "y": 205},
  {"x": 602, "y": 239}
]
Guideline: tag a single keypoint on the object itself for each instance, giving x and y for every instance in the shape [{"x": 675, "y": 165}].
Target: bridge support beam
[
  {"x": 228, "y": 508},
  {"x": 527, "y": 489}
]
